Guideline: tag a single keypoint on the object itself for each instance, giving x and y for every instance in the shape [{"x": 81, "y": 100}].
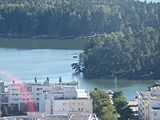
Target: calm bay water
[{"x": 25, "y": 59}]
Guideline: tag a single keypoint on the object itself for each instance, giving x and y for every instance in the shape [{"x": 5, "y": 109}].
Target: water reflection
[{"x": 41, "y": 43}]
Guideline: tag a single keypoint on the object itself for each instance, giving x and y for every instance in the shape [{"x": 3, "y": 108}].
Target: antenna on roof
[
  {"x": 48, "y": 79},
  {"x": 60, "y": 80},
  {"x": 35, "y": 79}
]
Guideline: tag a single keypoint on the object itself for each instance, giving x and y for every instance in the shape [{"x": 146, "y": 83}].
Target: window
[
  {"x": 15, "y": 94},
  {"x": 78, "y": 103},
  {"x": 29, "y": 89},
  {"x": 64, "y": 104},
  {"x": 14, "y": 89},
  {"x": 82, "y": 109},
  {"x": 15, "y": 99},
  {"x": 39, "y": 88},
  {"x": 155, "y": 114},
  {"x": 82, "y": 104},
  {"x": 73, "y": 104}
]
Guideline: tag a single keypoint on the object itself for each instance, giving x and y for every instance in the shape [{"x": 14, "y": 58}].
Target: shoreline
[{"x": 60, "y": 37}]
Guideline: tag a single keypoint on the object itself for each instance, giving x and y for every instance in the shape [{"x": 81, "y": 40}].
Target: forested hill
[
  {"x": 75, "y": 17},
  {"x": 128, "y": 43},
  {"x": 124, "y": 54}
]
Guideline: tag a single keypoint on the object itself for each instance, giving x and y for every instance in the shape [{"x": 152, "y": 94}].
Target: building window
[
  {"x": 64, "y": 104},
  {"x": 16, "y": 99},
  {"x": 29, "y": 89},
  {"x": 39, "y": 88},
  {"x": 155, "y": 114},
  {"x": 82, "y": 109},
  {"x": 73, "y": 104}
]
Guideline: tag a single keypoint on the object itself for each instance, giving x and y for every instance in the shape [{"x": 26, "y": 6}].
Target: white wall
[
  {"x": 47, "y": 106},
  {"x": 71, "y": 105},
  {"x": 154, "y": 114}
]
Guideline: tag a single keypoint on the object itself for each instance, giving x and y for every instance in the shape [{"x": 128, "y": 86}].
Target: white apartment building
[
  {"x": 21, "y": 94},
  {"x": 72, "y": 105},
  {"x": 52, "y": 100},
  {"x": 149, "y": 104},
  {"x": 65, "y": 99},
  {"x": 49, "y": 98},
  {"x": 68, "y": 106}
]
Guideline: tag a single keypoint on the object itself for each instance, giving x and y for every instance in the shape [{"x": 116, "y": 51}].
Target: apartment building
[
  {"x": 51, "y": 100},
  {"x": 23, "y": 95},
  {"x": 65, "y": 99},
  {"x": 48, "y": 98},
  {"x": 149, "y": 104},
  {"x": 72, "y": 106},
  {"x": 3, "y": 94},
  {"x": 1, "y": 90}
]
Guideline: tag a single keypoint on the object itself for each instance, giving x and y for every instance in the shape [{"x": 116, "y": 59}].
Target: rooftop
[{"x": 153, "y": 94}]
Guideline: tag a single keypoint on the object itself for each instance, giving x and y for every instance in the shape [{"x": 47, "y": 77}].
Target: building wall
[
  {"x": 48, "y": 109},
  {"x": 154, "y": 114},
  {"x": 149, "y": 104},
  {"x": 1, "y": 89},
  {"x": 143, "y": 108},
  {"x": 71, "y": 105},
  {"x": 42, "y": 103},
  {"x": 65, "y": 98},
  {"x": 14, "y": 94},
  {"x": 25, "y": 93}
]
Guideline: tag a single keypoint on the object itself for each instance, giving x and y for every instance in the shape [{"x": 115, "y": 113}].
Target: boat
[{"x": 74, "y": 56}]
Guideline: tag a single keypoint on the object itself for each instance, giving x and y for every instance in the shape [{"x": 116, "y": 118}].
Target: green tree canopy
[{"x": 102, "y": 105}]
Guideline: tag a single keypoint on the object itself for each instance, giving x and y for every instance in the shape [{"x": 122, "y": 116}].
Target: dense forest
[
  {"x": 131, "y": 47},
  {"x": 122, "y": 54},
  {"x": 50, "y": 18}
]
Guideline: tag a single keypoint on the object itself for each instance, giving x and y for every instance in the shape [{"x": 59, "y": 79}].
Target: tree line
[
  {"x": 122, "y": 54},
  {"x": 52, "y": 18},
  {"x": 130, "y": 52}
]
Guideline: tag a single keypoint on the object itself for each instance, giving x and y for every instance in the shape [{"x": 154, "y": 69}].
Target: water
[
  {"x": 24, "y": 60},
  {"x": 151, "y": 1},
  {"x": 40, "y": 63}
]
